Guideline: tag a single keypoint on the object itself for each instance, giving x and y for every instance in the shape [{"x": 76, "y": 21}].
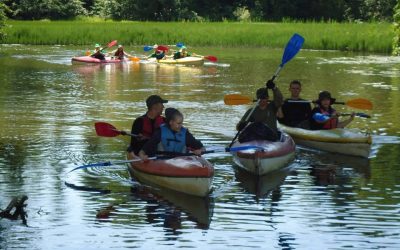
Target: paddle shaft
[{"x": 108, "y": 163}]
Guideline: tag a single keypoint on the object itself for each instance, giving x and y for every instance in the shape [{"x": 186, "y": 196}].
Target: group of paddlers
[{"x": 154, "y": 133}]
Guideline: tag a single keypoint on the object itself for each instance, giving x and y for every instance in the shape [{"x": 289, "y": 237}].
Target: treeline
[
  {"x": 396, "y": 40},
  {"x": 203, "y": 10}
]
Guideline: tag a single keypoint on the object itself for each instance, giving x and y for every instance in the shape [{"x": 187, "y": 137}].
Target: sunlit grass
[{"x": 368, "y": 37}]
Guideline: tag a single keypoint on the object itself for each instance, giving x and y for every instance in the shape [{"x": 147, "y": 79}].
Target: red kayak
[
  {"x": 187, "y": 174},
  {"x": 89, "y": 59}
]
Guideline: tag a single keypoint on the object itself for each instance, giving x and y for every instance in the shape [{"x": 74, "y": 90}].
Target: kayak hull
[
  {"x": 89, "y": 59},
  {"x": 275, "y": 155},
  {"x": 190, "y": 60},
  {"x": 187, "y": 174},
  {"x": 343, "y": 141}
]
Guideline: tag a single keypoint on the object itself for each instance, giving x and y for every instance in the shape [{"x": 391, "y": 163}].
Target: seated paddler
[
  {"x": 172, "y": 137},
  {"x": 261, "y": 123}
]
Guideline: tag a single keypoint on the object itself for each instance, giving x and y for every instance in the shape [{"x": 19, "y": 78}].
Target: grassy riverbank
[{"x": 367, "y": 37}]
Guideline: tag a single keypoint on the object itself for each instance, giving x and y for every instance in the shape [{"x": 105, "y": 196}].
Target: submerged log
[{"x": 15, "y": 209}]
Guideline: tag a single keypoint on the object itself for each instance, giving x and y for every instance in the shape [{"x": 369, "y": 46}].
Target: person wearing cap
[
  {"x": 294, "y": 113},
  {"x": 157, "y": 53},
  {"x": 120, "y": 53},
  {"x": 182, "y": 53},
  {"x": 324, "y": 116},
  {"x": 263, "y": 118},
  {"x": 98, "y": 52},
  {"x": 145, "y": 125},
  {"x": 172, "y": 137}
]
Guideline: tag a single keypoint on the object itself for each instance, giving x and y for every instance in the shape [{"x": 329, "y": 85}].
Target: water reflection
[
  {"x": 326, "y": 201},
  {"x": 262, "y": 186},
  {"x": 173, "y": 207}
]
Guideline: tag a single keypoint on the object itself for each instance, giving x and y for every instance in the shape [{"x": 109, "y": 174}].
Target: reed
[{"x": 366, "y": 37}]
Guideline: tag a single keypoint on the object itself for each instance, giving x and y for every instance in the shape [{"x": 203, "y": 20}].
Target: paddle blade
[
  {"x": 360, "y": 103},
  {"x": 292, "y": 48},
  {"x": 112, "y": 43},
  {"x": 211, "y": 58},
  {"x": 236, "y": 99},
  {"x": 106, "y": 129},
  {"x": 147, "y": 48},
  {"x": 242, "y": 148},
  {"x": 163, "y": 48},
  {"x": 363, "y": 115},
  {"x": 134, "y": 59}
]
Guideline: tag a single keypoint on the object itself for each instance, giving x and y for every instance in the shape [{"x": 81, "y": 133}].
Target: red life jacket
[
  {"x": 332, "y": 123},
  {"x": 149, "y": 127}
]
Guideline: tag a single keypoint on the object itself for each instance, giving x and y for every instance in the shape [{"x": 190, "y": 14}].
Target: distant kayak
[
  {"x": 344, "y": 141},
  {"x": 190, "y": 60},
  {"x": 89, "y": 59}
]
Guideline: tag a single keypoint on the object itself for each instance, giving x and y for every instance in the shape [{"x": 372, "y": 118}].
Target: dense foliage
[
  {"x": 2, "y": 18},
  {"x": 209, "y": 10},
  {"x": 396, "y": 40}
]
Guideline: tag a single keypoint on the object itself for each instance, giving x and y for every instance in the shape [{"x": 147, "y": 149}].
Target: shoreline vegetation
[{"x": 358, "y": 37}]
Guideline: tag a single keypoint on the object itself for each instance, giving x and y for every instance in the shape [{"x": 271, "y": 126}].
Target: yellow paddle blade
[
  {"x": 134, "y": 59},
  {"x": 360, "y": 103},
  {"x": 236, "y": 99}
]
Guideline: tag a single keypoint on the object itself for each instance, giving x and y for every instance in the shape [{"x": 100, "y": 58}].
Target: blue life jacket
[{"x": 173, "y": 141}]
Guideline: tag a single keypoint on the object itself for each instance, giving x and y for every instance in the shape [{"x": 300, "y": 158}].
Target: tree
[
  {"x": 40, "y": 9},
  {"x": 2, "y": 21},
  {"x": 396, "y": 40}
]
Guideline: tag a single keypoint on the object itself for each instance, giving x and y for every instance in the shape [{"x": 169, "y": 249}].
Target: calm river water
[{"x": 48, "y": 108}]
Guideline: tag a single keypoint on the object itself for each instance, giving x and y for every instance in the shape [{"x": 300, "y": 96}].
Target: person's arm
[
  {"x": 193, "y": 144},
  {"x": 278, "y": 97},
  {"x": 279, "y": 113},
  {"x": 344, "y": 123},
  {"x": 150, "y": 147}
]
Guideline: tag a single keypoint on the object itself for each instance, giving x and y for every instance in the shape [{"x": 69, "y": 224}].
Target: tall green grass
[{"x": 368, "y": 37}]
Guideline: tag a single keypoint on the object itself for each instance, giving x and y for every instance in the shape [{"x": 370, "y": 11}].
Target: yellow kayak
[
  {"x": 190, "y": 60},
  {"x": 343, "y": 141}
]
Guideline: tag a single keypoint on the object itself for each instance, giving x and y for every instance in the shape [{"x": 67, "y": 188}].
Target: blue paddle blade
[
  {"x": 363, "y": 115},
  {"x": 147, "y": 48},
  {"x": 100, "y": 164},
  {"x": 180, "y": 44},
  {"x": 240, "y": 148},
  {"x": 292, "y": 48}
]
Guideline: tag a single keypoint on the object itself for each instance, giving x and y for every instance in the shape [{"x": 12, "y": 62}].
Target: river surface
[{"x": 48, "y": 108}]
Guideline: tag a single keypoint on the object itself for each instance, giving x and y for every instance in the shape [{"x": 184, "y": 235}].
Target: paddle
[
  {"x": 237, "y": 99},
  {"x": 292, "y": 48},
  {"x": 134, "y": 59},
  {"x": 159, "y": 47},
  {"x": 358, "y": 103},
  {"x": 108, "y": 130},
  {"x": 109, "y": 45},
  {"x": 358, "y": 114},
  {"x": 210, "y": 58},
  {"x": 108, "y": 163},
  {"x": 222, "y": 150}
]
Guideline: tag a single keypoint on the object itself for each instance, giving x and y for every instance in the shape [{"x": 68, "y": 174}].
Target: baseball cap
[{"x": 153, "y": 99}]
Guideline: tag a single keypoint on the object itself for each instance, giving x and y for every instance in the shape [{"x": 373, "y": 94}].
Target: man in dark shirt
[
  {"x": 295, "y": 112},
  {"x": 145, "y": 125}
]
